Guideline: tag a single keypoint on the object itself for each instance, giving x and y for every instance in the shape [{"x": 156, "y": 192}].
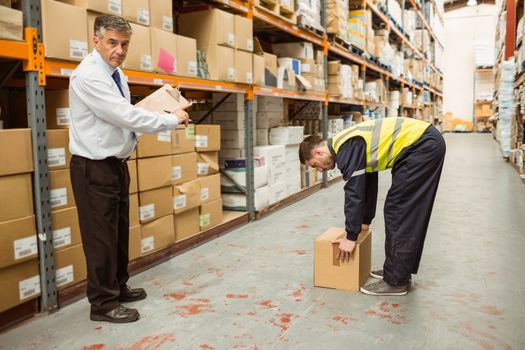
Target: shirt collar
[
  {"x": 330, "y": 147},
  {"x": 106, "y": 66}
]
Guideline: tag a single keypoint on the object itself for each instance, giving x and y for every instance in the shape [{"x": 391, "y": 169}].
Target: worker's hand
[
  {"x": 346, "y": 247},
  {"x": 182, "y": 115},
  {"x": 365, "y": 227}
]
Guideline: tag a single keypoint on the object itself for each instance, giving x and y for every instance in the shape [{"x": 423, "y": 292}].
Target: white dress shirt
[{"x": 102, "y": 122}]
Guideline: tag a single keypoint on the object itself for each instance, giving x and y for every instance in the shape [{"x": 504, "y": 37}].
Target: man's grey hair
[{"x": 111, "y": 22}]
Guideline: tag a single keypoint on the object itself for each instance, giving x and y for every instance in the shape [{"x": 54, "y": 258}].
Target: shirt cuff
[
  {"x": 171, "y": 120},
  {"x": 352, "y": 236}
]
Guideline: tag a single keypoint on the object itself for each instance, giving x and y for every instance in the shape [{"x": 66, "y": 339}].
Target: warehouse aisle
[{"x": 252, "y": 288}]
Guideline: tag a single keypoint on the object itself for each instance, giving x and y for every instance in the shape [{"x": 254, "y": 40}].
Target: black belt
[{"x": 122, "y": 160}]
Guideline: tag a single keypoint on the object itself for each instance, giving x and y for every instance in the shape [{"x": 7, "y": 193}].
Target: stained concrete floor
[{"x": 252, "y": 288}]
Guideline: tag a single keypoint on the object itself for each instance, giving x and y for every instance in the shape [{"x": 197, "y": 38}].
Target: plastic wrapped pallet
[{"x": 506, "y": 105}]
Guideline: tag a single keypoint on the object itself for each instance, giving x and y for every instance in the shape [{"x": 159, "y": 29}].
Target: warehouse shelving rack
[{"x": 39, "y": 71}]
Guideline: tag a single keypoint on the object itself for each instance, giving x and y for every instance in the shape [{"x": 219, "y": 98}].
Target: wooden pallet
[
  {"x": 288, "y": 13},
  {"x": 319, "y": 31},
  {"x": 345, "y": 45},
  {"x": 271, "y": 6}
]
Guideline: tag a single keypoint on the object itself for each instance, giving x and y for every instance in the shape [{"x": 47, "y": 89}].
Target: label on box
[
  {"x": 176, "y": 172},
  {"x": 56, "y": 157},
  {"x": 205, "y": 194},
  {"x": 231, "y": 73},
  {"x": 66, "y": 72},
  {"x": 204, "y": 220},
  {"x": 167, "y": 23},
  {"x": 190, "y": 132},
  {"x": 249, "y": 77},
  {"x": 143, "y": 16},
  {"x": 115, "y": 6},
  {"x": 63, "y": 116},
  {"x": 147, "y": 211},
  {"x": 203, "y": 168},
  {"x": 147, "y": 244},
  {"x": 305, "y": 68},
  {"x": 231, "y": 39},
  {"x": 164, "y": 136},
  {"x": 201, "y": 140},
  {"x": 29, "y": 287},
  {"x": 179, "y": 202},
  {"x": 145, "y": 62},
  {"x": 78, "y": 49},
  {"x": 192, "y": 67},
  {"x": 25, "y": 247},
  {"x": 62, "y": 237},
  {"x": 65, "y": 275},
  {"x": 249, "y": 44},
  {"x": 58, "y": 197}
]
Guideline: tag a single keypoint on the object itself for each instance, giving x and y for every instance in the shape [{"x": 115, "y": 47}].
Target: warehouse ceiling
[{"x": 456, "y": 4}]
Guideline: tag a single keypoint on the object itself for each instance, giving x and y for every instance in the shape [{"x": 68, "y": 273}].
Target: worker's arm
[{"x": 351, "y": 160}]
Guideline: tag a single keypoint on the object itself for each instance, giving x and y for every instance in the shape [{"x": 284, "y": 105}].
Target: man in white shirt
[{"x": 102, "y": 137}]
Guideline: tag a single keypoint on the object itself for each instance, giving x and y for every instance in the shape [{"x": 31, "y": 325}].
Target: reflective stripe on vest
[{"x": 385, "y": 138}]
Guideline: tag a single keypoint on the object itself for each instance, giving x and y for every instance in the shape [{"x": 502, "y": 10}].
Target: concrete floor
[{"x": 252, "y": 288}]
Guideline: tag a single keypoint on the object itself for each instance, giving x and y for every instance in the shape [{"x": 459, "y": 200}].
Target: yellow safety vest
[{"x": 385, "y": 138}]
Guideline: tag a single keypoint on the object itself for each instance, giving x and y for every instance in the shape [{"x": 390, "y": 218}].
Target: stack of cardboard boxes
[
  {"x": 227, "y": 41},
  {"x": 337, "y": 15},
  {"x": 19, "y": 276},
  {"x": 153, "y": 47}
]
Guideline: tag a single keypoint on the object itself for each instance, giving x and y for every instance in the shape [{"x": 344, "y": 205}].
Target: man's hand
[
  {"x": 346, "y": 247},
  {"x": 181, "y": 114}
]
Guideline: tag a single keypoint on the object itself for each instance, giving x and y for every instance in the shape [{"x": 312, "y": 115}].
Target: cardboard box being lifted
[{"x": 329, "y": 272}]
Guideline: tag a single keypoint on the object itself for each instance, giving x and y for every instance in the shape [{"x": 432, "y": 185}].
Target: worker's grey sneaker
[
  {"x": 377, "y": 274},
  {"x": 383, "y": 288}
]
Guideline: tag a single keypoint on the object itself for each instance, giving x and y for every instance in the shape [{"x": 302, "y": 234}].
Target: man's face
[
  {"x": 321, "y": 161},
  {"x": 113, "y": 47}
]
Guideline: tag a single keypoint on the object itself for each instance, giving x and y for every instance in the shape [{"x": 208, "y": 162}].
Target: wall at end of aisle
[{"x": 463, "y": 28}]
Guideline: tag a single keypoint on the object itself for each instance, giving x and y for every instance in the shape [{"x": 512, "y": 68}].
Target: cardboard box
[
  {"x": 21, "y": 188},
  {"x": 296, "y": 50},
  {"x": 215, "y": 27},
  {"x": 11, "y": 24},
  {"x": 186, "y": 57},
  {"x": 70, "y": 44},
  {"x": 243, "y": 67},
  {"x": 157, "y": 234},
  {"x": 139, "y": 53},
  {"x": 136, "y": 11},
  {"x": 274, "y": 156},
  {"x": 229, "y": 120},
  {"x": 332, "y": 273},
  {"x": 261, "y": 137},
  {"x": 260, "y": 178},
  {"x": 58, "y": 155},
  {"x": 232, "y": 138},
  {"x": 268, "y": 120},
  {"x": 207, "y": 138},
  {"x": 237, "y": 201},
  {"x": 183, "y": 140},
  {"x": 187, "y": 224},
  {"x": 163, "y": 51},
  {"x": 210, "y": 214},
  {"x": 153, "y": 145},
  {"x": 308, "y": 176},
  {"x": 293, "y": 185},
  {"x": 60, "y": 190},
  {"x": 270, "y": 69},
  {"x": 161, "y": 14},
  {"x": 277, "y": 192},
  {"x": 167, "y": 98},
  {"x": 186, "y": 196},
  {"x": 154, "y": 204},
  {"x": 66, "y": 228},
  {"x": 207, "y": 163},
  {"x": 134, "y": 218},
  {"x": 154, "y": 172},
  {"x": 134, "y": 243},
  {"x": 16, "y": 153},
  {"x": 270, "y": 104},
  {"x": 112, "y": 7},
  {"x": 19, "y": 283},
  {"x": 91, "y": 16},
  {"x": 243, "y": 33},
  {"x": 234, "y": 103},
  {"x": 210, "y": 188},
  {"x": 132, "y": 168},
  {"x": 58, "y": 112},
  {"x": 258, "y": 70},
  {"x": 288, "y": 135},
  {"x": 184, "y": 167},
  {"x": 18, "y": 241},
  {"x": 70, "y": 265},
  {"x": 221, "y": 63}
]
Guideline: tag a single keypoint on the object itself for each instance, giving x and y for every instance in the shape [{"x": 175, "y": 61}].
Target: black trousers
[
  {"x": 101, "y": 190},
  {"x": 408, "y": 205}
]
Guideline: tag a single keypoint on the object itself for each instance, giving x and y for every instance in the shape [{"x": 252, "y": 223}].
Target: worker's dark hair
[
  {"x": 306, "y": 147},
  {"x": 110, "y": 22}
]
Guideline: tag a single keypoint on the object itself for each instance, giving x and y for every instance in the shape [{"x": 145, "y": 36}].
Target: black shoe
[
  {"x": 379, "y": 275},
  {"x": 128, "y": 295},
  {"x": 120, "y": 314}
]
